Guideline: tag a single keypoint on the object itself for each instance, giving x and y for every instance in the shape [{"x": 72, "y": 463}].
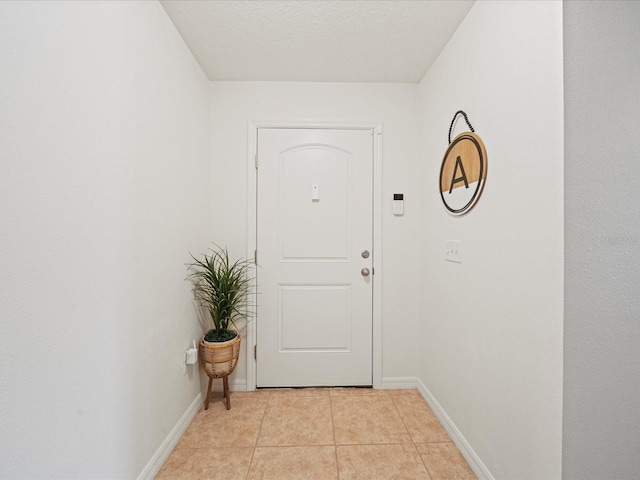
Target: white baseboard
[
  {"x": 391, "y": 383},
  {"x": 235, "y": 385},
  {"x": 239, "y": 385},
  {"x": 161, "y": 455},
  {"x": 479, "y": 468}
]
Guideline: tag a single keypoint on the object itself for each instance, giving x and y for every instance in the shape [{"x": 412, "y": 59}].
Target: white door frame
[{"x": 252, "y": 135}]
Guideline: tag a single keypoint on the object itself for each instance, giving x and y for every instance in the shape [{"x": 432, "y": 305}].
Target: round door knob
[{"x": 365, "y": 272}]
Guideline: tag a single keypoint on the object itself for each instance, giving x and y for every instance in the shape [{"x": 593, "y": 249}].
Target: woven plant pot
[{"x": 219, "y": 359}]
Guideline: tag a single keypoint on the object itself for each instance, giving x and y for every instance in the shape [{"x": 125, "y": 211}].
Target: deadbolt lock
[{"x": 365, "y": 254}]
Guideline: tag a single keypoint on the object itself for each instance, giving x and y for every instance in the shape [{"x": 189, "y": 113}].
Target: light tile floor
[{"x": 319, "y": 433}]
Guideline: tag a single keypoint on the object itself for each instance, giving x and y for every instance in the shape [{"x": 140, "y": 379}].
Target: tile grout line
[
  {"x": 411, "y": 437},
  {"x": 335, "y": 443},
  {"x": 255, "y": 444}
]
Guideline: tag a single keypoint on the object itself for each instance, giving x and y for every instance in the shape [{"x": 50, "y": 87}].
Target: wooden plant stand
[{"x": 225, "y": 386}]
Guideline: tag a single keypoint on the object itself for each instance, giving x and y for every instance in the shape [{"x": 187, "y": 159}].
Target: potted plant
[{"x": 221, "y": 287}]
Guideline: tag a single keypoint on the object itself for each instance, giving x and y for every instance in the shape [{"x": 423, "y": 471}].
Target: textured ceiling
[{"x": 316, "y": 40}]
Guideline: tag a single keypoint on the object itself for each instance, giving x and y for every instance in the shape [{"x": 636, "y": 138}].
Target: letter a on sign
[
  {"x": 455, "y": 180},
  {"x": 463, "y": 173}
]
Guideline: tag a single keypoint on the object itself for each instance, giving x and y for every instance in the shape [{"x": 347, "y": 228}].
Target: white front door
[{"x": 315, "y": 257}]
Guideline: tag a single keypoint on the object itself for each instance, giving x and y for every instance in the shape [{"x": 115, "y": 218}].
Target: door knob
[{"x": 365, "y": 272}]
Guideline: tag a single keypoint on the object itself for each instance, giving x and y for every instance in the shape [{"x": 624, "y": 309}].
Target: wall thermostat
[{"x": 398, "y": 203}]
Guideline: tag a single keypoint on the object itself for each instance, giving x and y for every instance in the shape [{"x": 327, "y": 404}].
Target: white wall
[
  {"x": 490, "y": 330},
  {"x": 103, "y": 192},
  {"x": 602, "y": 237},
  {"x": 233, "y": 104}
]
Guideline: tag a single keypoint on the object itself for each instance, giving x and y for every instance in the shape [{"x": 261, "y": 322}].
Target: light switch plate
[{"x": 453, "y": 251}]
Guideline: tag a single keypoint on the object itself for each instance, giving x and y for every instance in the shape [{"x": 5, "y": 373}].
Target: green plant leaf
[{"x": 222, "y": 287}]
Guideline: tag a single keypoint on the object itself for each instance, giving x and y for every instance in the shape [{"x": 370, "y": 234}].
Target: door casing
[{"x": 252, "y": 134}]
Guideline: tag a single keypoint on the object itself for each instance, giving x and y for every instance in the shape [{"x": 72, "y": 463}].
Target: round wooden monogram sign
[{"x": 463, "y": 173}]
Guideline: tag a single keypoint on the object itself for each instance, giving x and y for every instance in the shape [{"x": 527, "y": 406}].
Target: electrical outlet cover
[{"x": 453, "y": 251}]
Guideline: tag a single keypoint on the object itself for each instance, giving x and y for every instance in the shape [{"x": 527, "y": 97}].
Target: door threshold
[{"x": 315, "y": 386}]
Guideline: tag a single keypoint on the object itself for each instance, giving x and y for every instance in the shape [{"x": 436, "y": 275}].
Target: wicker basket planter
[{"x": 219, "y": 360}]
